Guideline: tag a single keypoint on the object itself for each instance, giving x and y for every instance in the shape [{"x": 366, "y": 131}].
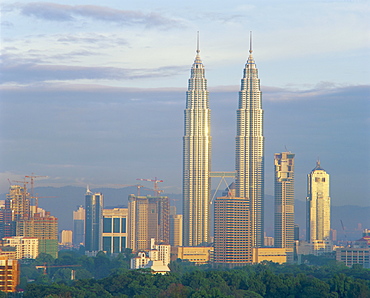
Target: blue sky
[{"x": 94, "y": 93}]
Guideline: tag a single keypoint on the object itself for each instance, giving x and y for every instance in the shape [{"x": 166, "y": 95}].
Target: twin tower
[{"x": 197, "y": 147}]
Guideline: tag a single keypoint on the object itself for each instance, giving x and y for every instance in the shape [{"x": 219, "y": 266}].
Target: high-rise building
[
  {"x": 249, "y": 182},
  {"x": 115, "y": 230},
  {"x": 9, "y": 275},
  {"x": 66, "y": 237},
  {"x": 45, "y": 228},
  {"x": 176, "y": 229},
  {"x": 148, "y": 217},
  {"x": 16, "y": 207},
  {"x": 19, "y": 202},
  {"x": 196, "y": 158},
  {"x": 284, "y": 199},
  {"x": 318, "y": 205},
  {"x": 94, "y": 203},
  {"x": 232, "y": 233},
  {"x": 79, "y": 226}
]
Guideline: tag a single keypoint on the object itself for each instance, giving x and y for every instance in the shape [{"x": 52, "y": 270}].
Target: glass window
[
  {"x": 107, "y": 225},
  {"x": 116, "y": 224},
  {"x": 116, "y": 245},
  {"x": 123, "y": 228},
  {"x": 107, "y": 244},
  {"x": 123, "y": 243}
]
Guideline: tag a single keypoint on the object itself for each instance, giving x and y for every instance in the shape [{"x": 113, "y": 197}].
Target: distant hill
[
  {"x": 354, "y": 218},
  {"x": 64, "y": 200}
]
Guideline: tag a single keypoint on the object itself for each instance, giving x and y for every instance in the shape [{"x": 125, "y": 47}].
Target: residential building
[
  {"x": 232, "y": 231},
  {"x": 8, "y": 251},
  {"x": 94, "y": 203},
  {"x": 160, "y": 252},
  {"x": 79, "y": 226},
  {"x": 318, "y": 205},
  {"x": 157, "y": 261},
  {"x": 26, "y": 247},
  {"x": 148, "y": 217},
  {"x": 284, "y": 201},
  {"x": 249, "y": 182},
  {"x": 9, "y": 274},
  {"x": 196, "y": 158},
  {"x": 115, "y": 230}
]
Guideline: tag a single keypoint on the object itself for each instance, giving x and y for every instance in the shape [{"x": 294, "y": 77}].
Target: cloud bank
[{"x": 70, "y": 13}]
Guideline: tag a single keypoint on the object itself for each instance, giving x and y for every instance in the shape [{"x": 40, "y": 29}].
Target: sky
[{"x": 93, "y": 92}]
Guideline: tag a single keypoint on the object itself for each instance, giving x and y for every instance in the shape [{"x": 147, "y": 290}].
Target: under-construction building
[{"x": 148, "y": 217}]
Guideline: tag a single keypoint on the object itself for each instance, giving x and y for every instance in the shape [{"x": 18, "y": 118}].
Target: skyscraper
[
  {"x": 93, "y": 221},
  {"x": 249, "y": 182},
  {"x": 196, "y": 158},
  {"x": 148, "y": 217},
  {"x": 115, "y": 230},
  {"x": 318, "y": 205},
  {"x": 232, "y": 239},
  {"x": 45, "y": 228},
  {"x": 284, "y": 199},
  {"x": 79, "y": 226}
]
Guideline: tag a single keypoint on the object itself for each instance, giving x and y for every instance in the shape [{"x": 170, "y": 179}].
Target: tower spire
[
  {"x": 250, "y": 42},
  {"x": 198, "y": 50}
]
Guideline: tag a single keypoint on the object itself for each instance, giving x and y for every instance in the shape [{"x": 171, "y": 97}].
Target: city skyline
[{"x": 72, "y": 90}]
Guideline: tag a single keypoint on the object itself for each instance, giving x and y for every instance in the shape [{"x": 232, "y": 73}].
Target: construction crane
[
  {"x": 32, "y": 178},
  {"x": 156, "y": 190},
  {"x": 138, "y": 186},
  {"x": 60, "y": 266}
]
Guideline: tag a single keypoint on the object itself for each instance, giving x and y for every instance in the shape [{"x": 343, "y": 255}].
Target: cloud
[
  {"x": 69, "y": 13},
  {"x": 31, "y": 72}
]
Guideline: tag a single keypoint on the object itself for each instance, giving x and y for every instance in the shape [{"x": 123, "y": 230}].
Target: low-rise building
[
  {"x": 276, "y": 255},
  {"x": 26, "y": 247},
  {"x": 354, "y": 255},
  {"x": 199, "y": 254}
]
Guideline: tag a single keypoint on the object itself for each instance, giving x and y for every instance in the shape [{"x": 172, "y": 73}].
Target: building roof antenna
[{"x": 250, "y": 42}]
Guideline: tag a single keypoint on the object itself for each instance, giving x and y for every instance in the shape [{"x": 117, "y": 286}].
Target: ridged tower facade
[
  {"x": 196, "y": 158},
  {"x": 249, "y": 182},
  {"x": 318, "y": 204}
]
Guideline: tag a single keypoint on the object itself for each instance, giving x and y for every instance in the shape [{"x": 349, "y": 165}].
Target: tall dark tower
[
  {"x": 93, "y": 221},
  {"x": 249, "y": 182},
  {"x": 196, "y": 158},
  {"x": 284, "y": 199}
]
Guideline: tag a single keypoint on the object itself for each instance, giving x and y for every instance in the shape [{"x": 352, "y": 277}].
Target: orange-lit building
[
  {"x": 197, "y": 254},
  {"x": 9, "y": 274},
  {"x": 233, "y": 239}
]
